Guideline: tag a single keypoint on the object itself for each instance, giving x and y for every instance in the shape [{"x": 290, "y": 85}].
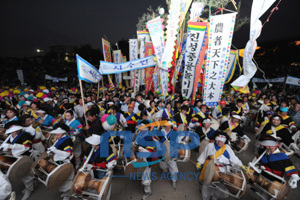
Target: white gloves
[
  {"x": 293, "y": 181},
  {"x": 6, "y": 146},
  {"x": 111, "y": 165},
  {"x": 52, "y": 149},
  {"x": 233, "y": 136}
]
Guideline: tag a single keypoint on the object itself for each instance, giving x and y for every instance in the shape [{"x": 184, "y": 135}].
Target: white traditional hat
[
  {"x": 207, "y": 121},
  {"x": 13, "y": 128},
  {"x": 94, "y": 139},
  {"x": 40, "y": 111},
  {"x": 89, "y": 104},
  {"x": 237, "y": 117},
  {"x": 58, "y": 131}
]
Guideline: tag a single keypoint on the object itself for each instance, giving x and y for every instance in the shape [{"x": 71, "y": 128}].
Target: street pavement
[{"x": 125, "y": 189}]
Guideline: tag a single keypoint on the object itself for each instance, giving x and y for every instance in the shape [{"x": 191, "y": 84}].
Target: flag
[{"x": 86, "y": 71}]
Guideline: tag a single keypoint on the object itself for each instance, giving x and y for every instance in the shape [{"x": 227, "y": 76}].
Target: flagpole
[
  {"x": 103, "y": 87},
  {"x": 82, "y": 98},
  {"x": 98, "y": 90}
]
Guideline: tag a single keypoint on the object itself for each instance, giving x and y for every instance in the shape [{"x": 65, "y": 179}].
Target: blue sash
[
  {"x": 18, "y": 136},
  {"x": 60, "y": 141},
  {"x": 129, "y": 117}
]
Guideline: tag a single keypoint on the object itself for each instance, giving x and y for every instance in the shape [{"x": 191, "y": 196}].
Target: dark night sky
[{"x": 27, "y": 25}]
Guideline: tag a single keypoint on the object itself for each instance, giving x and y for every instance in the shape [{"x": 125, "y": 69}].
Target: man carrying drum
[
  {"x": 19, "y": 143},
  {"x": 223, "y": 157},
  {"x": 97, "y": 162},
  {"x": 273, "y": 161},
  {"x": 63, "y": 153}
]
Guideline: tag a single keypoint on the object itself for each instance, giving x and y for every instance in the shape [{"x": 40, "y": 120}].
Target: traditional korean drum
[
  {"x": 235, "y": 182},
  {"x": 184, "y": 154},
  {"x": 50, "y": 173},
  {"x": 215, "y": 125},
  {"x": 202, "y": 145},
  {"x": 15, "y": 168},
  {"x": 277, "y": 189},
  {"x": 240, "y": 145},
  {"x": 85, "y": 184}
]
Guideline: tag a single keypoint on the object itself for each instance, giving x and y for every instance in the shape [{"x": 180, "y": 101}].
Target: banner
[
  {"x": 172, "y": 30},
  {"x": 133, "y": 55},
  {"x": 124, "y": 59},
  {"x": 148, "y": 71},
  {"x": 232, "y": 59},
  {"x": 196, "y": 10},
  {"x": 20, "y": 76},
  {"x": 271, "y": 80},
  {"x": 118, "y": 59},
  {"x": 106, "y": 50},
  {"x": 219, "y": 43},
  {"x": 86, "y": 71},
  {"x": 258, "y": 9},
  {"x": 55, "y": 79},
  {"x": 290, "y": 80},
  {"x": 143, "y": 36},
  {"x": 155, "y": 30},
  {"x": 199, "y": 70},
  {"x": 114, "y": 68},
  {"x": 196, "y": 32},
  {"x": 110, "y": 82},
  {"x": 185, "y": 4}
]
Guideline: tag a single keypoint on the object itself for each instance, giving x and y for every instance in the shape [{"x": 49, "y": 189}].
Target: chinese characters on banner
[
  {"x": 172, "y": 30},
  {"x": 156, "y": 33},
  {"x": 133, "y": 55},
  {"x": 220, "y": 37},
  {"x": 196, "y": 32},
  {"x": 148, "y": 71},
  {"x": 118, "y": 59},
  {"x": 143, "y": 36}
]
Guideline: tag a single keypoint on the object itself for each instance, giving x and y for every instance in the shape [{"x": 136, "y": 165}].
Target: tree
[{"x": 215, "y": 5}]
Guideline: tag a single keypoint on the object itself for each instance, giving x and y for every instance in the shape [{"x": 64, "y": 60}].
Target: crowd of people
[{"x": 75, "y": 125}]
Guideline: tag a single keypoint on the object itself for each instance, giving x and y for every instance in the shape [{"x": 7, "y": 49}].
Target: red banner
[{"x": 149, "y": 70}]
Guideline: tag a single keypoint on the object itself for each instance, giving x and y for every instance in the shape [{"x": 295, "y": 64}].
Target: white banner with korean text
[{"x": 220, "y": 37}]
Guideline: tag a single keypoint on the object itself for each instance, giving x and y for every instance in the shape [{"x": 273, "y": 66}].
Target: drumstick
[{"x": 193, "y": 162}]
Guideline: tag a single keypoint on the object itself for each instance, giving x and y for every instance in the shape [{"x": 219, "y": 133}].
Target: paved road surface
[{"x": 125, "y": 189}]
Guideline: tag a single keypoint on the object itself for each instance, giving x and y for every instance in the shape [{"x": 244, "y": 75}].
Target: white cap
[
  {"x": 269, "y": 143},
  {"x": 89, "y": 104},
  {"x": 110, "y": 103},
  {"x": 237, "y": 117},
  {"x": 47, "y": 99},
  {"x": 58, "y": 130},
  {"x": 94, "y": 139},
  {"x": 13, "y": 128},
  {"x": 207, "y": 121},
  {"x": 40, "y": 111}
]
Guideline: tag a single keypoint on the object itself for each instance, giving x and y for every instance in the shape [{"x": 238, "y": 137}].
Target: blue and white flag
[
  {"x": 86, "y": 71},
  {"x": 114, "y": 68}
]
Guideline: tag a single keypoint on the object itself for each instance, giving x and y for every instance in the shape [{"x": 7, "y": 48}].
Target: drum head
[
  {"x": 33, "y": 171},
  {"x": 202, "y": 145},
  {"x": 130, "y": 169},
  {"x": 215, "y": 124},
  {"x": 20, "y": 168},
  {"x": 167, "y": 154},
  {"x": 284, "y": 191},
  {"x": 209, "y": 172},
  {"x": 61, "y": 174}
]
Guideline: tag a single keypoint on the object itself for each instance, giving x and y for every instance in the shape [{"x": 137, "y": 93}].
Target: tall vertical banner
[
  {"x": 172, "y": 30},
  {"x": 198, "y": 71},
  {"x": 143, "y": 36},
  {"x": 107, "y": 57},
  {"x": 196, "y": 32},
  {"x": 118, "y": 59},
  {"x": 185, "y": 4},
  {"x": 106, "y": 50},
  {"x": 156, "y": 33},
  {"x": 196, "y": 10},
  {"x": 219, "y": 43},
  {"x": 232, "y": 60},
  {"x": 149, "y": 70},
  {"x": 258, "y": 9},
  {"x": 20, "y": 76},
  {"x": 133, "y": 55}
]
